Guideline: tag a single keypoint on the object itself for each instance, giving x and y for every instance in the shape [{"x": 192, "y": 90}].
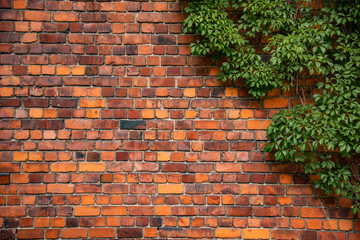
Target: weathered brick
[{"x": 129, "y": 233}]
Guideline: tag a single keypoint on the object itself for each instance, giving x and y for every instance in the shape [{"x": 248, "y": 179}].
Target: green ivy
[{"x": 299, "y": 40}]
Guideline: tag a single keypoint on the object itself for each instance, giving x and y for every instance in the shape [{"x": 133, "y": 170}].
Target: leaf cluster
[{"x": 297, "y": 39}]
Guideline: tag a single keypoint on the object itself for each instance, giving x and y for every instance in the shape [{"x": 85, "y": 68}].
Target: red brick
[
  {"x": 78, "y": 124},
  {"x": 150, "y": 17},
  {"x": 8, "y": 212},
  {"x": 136, "y": 39},
  {"x": 141, "y": 211},
  {"x": 312, "y": 213},
  {"x": 102, "y": 233},
  {"x": 86, "y": 211},
  {"x": 113, "y": 211},
  {"x": 74, "y": 232},
  {"x": 9, "y": 167},
  {"x": 30, "y": 233},
  {"x": 299, "y": 190},
  {"x": 256, "y": 167},
  {"x": 65, "y": 17},
  {"x": 276, "y": 103},
  {"x": 37, "y": 16}
]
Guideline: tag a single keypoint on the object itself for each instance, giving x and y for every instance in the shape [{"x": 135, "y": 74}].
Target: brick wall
[{"x": 111, "y": 129}]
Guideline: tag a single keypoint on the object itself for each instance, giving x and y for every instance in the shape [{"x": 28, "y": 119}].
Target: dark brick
[
  {"x": 132, "y": 124},
  {"x": 93, "y": 156},
  {"x": 36, "y": 102},
  {"x": 72, "y": 222},
  {"x": 64, "y": 103},
  {"x": 129, "y": 233},
  {"x": 7, "y": 234},
  {"x": 50, "y": 124}
]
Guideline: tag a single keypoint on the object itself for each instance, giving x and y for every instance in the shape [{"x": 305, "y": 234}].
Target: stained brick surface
[{"x": 111, "y": 129}]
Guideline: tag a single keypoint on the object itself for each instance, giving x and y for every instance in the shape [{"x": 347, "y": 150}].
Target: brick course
[{"x": 111, "y": 129}]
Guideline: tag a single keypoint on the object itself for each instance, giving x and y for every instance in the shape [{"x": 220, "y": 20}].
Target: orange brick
[
  {"x": 258, "y": 124},
  {"x": 36, "y": 134},
  {"x": 197, "y": 146},
  {"x": 102, "y": 233},
  {"x": 314, "y": 224},
  {"x": 78, "y": 70},
  {"x": 52, "y": 233},
  {"x": 58, "y": 222},
  {"x": 87, "y": 200},
  {"x": 217, "y": 136},
  {"x": 256, "y": 233},
  {"x": 22, "y": 26},
  {"x": 312, "y": 212},
  {"x": 234, "y": 114},
  {"x": 333, "y": 224},
  {"x": 231, "y": 92},
  {"x": 34, "y": 70},
  {"x": 285, "y": 200},
  {"x": 93, "y": 113},
  {"x": 6, "y": 70},
  {"x": 60, "y": 188},
  {"x": 92, "y": 103},
  {"x": 78, "y": 124},
  {"x": 179, "y": 135},
  {"x": 345, "y": 225},
  {"x": 35, "y": 156},
  {"x": 79, "y": 92},
  {"x": 227, "y": 233},
  {"x": 113, "y": 211},
  {"x": 113, "y": 221},
  {"x": 150, "y": 232},
  {"x": 200, "y": 124},
  {"x": 6, "y": 92},
  {"x": 36, "y": 113},
  {"x": 147, "y": 113},
  {"x": 50, "y": 113},
  {"x": 94, "y": 92},
  {"x": 20, "y": 156},
  {"x": 163, "y": 156},
  {"x": 190, "y": 92},
  {"x": 118, "y": 28},
  {"x": 91, "y": 167},
  {"x": 190, "y": 114},
  {"x": 6, "y": 113},
  {"x": 245, "y": 113},
  {"x": 62, "y": 70},
  {"x": 22, "y": 134},
  {"x": 161, "y": 114},
  {"x": 276, "y": 103},
  {"x": 19, "y": 4},
  {"x": 162, "y": 210},
  {"x": 254, "y": 223},
  {"x": 63, "y": 167},
  {"x": 248, "y": 189},
  {"x": 170, "y": 188},
  {"x": 74, "y": 232},
  {"x": 227, "y": 199},
  {"x": 86, "y": 211},
  {"x": 48, "y": 70},
  {"x": 29, "y": 37},
  {"x": 298, "y": 223},
  {"x": 41, "y": 222}
]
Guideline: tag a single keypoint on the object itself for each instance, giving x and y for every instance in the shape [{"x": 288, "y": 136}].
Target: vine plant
[{"x": 302, "y": 38}]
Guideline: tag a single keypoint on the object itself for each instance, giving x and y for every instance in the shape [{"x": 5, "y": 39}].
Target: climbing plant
[{"x": 299, "y": 39}]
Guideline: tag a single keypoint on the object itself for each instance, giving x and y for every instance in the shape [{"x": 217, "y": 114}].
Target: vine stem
[{"x": 323, "y": 209}]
